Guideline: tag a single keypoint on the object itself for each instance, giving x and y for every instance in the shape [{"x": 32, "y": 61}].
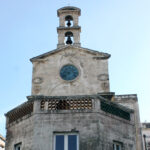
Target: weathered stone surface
[
  {"x": 131, "y": 101},
  {"x": 87, "y": 81},
  {"x": 146, "y": 135},
  {"x": 20, "y": 132},
  {"x": 75, "y": 29},
  {"x": 97, "y": 129},
  {"x": 84, "y": 105}
]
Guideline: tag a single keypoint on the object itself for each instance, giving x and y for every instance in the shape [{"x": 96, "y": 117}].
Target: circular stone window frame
[{"x": 68, "y": 81}]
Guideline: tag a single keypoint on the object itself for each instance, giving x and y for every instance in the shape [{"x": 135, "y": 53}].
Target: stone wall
[
  {"x": 20, "y": 132},
  {"x": 131, "y": 101},
  {"x": 93, "y": 73},
  {"x": 146, "y": 135},
  {"x": 97, "y": 129}
]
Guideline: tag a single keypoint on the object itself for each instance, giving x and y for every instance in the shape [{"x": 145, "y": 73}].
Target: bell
[
  {"x": 68, "y": 23},
  {"x": 69, "y": 41}
]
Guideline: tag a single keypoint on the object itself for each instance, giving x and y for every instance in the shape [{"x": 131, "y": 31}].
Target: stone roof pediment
[{"x": 96, "y": 54}]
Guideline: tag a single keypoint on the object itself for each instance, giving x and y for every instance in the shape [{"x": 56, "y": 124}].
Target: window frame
[
  {"x": 65, "y": 139},
  {"x": 120, "y": 144},
  {"x": 17, "y": 145}
]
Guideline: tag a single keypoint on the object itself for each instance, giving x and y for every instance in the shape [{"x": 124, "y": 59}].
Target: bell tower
[
  {"x": 68, "y": 30},
  {"x": 71, "y": 106}
]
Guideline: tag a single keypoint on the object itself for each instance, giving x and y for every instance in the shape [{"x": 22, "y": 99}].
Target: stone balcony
[{"x": 69, "y": 104}]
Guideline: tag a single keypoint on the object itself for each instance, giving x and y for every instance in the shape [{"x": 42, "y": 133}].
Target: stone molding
[{"x": 100, "y": 55}]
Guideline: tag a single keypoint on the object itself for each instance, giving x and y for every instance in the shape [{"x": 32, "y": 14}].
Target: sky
[{"x": 118, "y": 27}]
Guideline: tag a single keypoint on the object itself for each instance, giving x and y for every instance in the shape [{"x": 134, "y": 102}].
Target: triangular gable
[{"x": 94, "y": 52}]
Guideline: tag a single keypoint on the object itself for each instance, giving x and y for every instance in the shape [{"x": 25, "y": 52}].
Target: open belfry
[{"x": 71, "y": 106}]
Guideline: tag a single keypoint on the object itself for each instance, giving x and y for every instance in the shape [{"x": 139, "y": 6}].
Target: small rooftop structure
[{"x": 72, "y": 8}]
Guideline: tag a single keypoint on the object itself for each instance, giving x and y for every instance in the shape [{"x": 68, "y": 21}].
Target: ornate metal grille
[
  {"x": 67, "y": 104},
  {"x": 115, "y": 110},
  {"x": 24, "y": 110}
]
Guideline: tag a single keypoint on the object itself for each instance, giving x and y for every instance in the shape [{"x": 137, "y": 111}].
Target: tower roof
[{"x": 69, "y": 8}]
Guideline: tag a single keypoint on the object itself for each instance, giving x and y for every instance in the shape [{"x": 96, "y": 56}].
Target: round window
[{"x": 69, "y": 72}]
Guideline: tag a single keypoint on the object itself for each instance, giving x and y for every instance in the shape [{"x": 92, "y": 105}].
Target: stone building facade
[
  {"x": 2, "y": 143},
  {"x": 71, "y": 106},
  {"x": 146, "y": 135}
]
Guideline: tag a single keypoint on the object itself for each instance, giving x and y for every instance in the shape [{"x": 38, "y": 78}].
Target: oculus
[{"x": 69, "y": 72}]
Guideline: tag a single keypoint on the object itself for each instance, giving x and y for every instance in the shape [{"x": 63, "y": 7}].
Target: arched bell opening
[
  {"x": 68, "y": 21},
  {"x": 69, "y": 38}
]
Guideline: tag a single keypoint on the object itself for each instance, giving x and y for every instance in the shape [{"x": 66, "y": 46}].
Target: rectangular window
[
  {"x": 59, "y": 142},
  {"x": 117, "y": 146},
  {"x": 72, "y": 142},
  {"x": 18, "y": 146},
  {"x": 65, "y": 141}
]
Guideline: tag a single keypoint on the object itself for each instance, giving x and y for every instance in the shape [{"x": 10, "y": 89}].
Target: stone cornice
[
  {"x": 76, "y": 97},
  {"x": 18, "y": 107},
  {"x": 33, "y": 98},
  {"x": 97, "y": 54},
  {"x": 126, "y": 97},
  {"x": 69, "y": 8}
]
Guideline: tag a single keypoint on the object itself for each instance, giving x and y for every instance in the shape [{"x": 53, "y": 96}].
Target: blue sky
[{"x": 118, "y": 27}]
